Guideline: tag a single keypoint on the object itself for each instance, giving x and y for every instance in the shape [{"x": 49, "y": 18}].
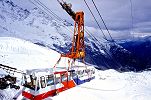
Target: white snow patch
[
  {"x": 24, "y": 55},
  {"x": 112, "y": 85}
]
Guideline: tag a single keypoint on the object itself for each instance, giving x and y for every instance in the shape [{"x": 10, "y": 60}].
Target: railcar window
[
  {"x": 42, "y": 80},
  {"x": 28, "y": 79},
  {"x": 85, "y": 74},
  {"x": 63, "y": 77},
  {"x": 73, "y": 74},
  {"x": 50, "y": 80},
  {"x": 38, "y": 86},
  {"x": 57, "y": 78},
  {"x": 81, "y": 73},
  {"x": 69, "y": 75},
  {"x": 34, "y": 82},
  {"x": 30, "y": 82}
]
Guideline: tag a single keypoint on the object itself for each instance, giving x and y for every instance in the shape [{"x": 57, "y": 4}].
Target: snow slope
[
  {"x": 24, "y": 55},
  {"x": 112, "y": 85}
]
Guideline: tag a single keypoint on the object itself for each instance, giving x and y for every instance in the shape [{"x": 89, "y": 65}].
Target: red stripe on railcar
[{"x": 40, "y": 96}]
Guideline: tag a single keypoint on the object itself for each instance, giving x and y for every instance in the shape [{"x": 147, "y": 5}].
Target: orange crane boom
[{"x": 78, "y": 47}]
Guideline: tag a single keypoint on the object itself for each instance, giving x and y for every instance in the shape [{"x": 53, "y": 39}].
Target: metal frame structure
[{"x": 78, "y": 48}]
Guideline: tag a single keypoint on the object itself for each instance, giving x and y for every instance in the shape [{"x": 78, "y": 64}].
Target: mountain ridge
[{"x": 38, "y": 27}]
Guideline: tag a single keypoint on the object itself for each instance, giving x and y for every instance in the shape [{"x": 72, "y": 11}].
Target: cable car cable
[
  {"x": 102, "y": 20},
  {"x": 96, "y": 20},
  {"x": 49, "y": 10},
  {"x": 49, "y": 15},
  {"x": 132, "y": 17},
  {"x": 40, "y": 8},
  {"x": 102, "y": 47}
]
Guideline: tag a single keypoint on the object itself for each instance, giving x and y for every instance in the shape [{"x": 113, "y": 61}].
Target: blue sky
[{"x": 116, "y": 13}]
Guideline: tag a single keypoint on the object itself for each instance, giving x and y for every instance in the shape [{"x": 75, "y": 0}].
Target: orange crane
[{"x": 78, "y": 47}]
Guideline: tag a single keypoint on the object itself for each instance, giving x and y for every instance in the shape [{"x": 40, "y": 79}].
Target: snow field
[
  {"x": 108, "y": 85},
  {"x": 112, "y": 85}
]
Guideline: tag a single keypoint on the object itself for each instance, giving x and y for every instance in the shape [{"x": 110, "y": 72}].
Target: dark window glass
[
  {"x": 57, "y": 78},
  {"x": 64, "y": 77},
  {"x": 30, "y": 82},
  {"x": 42, "y": 81},
  {"x": 74, "y": 75},
  {"x": 50, "y": 80}
]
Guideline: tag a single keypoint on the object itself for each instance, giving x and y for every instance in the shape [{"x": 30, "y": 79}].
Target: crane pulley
[{"x": 78, "y": 47}]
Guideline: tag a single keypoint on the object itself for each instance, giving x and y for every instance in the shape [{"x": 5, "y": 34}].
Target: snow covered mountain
[
  {"x": 38, "y": 27},
  {"x": 32, "y": 25},
  {"x": 140, "y": 50}
]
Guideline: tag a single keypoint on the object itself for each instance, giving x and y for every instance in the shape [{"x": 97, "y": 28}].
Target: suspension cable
[
  {"x": 46, "y": 8},
  {"x": 102, "y": 47},
  {"x": 95, "y": 20},
  {"x": 40, "y": 8},
  {"x": 50, "y": 14},
  {"x": 132, "y": 22},
  {"x": 102, "y": 20}
]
